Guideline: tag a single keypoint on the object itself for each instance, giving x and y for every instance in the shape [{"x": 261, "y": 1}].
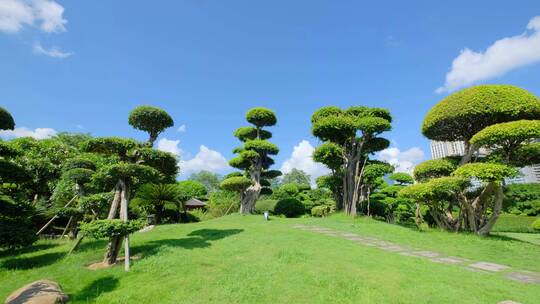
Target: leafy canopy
[{"x": 463, "y": 114}]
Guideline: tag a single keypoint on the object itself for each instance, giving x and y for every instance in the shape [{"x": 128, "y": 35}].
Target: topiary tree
[
  {"x": 502, "y": 119},
  {"x": 134, "y": 168},
  {"x": 254, "y": 158},
  {"x": 349, "y": 138},
  {"x": 6, "y": 120},
  {"x": 401, "y": 178},
  {"x": 150, "y": 119}
]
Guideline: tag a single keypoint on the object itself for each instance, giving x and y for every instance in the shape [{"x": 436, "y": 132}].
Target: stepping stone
[
  {"x": 426, "y": 254},
  {"x": 349, "y": 235},
  {"x": 508, "y": 302},
  {"x": 448, "y": 260},
  {"x": 319, "y": 229},
  {"x": 405, "y": 253},
  {"x": 393, "y": 248},
  {"x": 355, "y": 238},
  {"x": 524, "y": 276},
  {"x": 300, "y": 226},
  {"x": 489, "y": 266}
]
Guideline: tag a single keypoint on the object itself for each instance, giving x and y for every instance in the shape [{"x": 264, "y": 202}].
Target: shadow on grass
[
  {"x": 96, "y": 288},
  {"x": 90, "y": 244},
  {"x": 32, "y": 248},
  {"x": 197, "y": 239},
  {"x": 24, "y": 263}
]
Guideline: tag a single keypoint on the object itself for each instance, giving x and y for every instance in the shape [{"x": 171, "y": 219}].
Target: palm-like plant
[{"x": 156, "y": 196}]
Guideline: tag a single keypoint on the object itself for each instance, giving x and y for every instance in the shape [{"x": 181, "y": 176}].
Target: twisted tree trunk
[
  {"x": 249, "y": 196},
  {"x": 115, "y": 242}
]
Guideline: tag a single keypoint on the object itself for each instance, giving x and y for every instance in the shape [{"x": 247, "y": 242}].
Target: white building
[{"x": 440, "y": 149}]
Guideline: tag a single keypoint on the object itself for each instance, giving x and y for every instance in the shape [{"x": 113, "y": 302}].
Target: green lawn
[
  {"x": 239, "y": 259},
  {"x": 514, "y": 223}
]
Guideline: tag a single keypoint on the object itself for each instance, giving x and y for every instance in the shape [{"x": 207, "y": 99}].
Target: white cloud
[
  {"x": 403, "y": 161},
  {"x": 52, "y": 52},
  {"x": 501, "y": 57},
  {"x": 182, "y": 128},
  {"x": 50, "y": 13},
  {"x": 301, "y": 158},
  {"x": 206, "y": 159},
  {"x": 38, "y": 133},
  {"x": 16, "y": 14},
  {"x": 171, "y": 146}
]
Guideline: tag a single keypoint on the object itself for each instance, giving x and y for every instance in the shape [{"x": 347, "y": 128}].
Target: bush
[
  {"x": 265, "y": 205},
  {"x": 109, "y": 228},
  {"x": 201, "y": 215},
  {"x": 536, "y": 225},
  {"x": 15, "y": 225},
  {"x": 522, "y": 199},
  {"x": 222, "y": 202},
  {"x": 290, "y": 207},
  {"x": 322, "y": 210}
]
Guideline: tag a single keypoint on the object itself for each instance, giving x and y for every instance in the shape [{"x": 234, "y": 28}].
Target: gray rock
[
  {"x": 524, "y": 276},
  {"x": 38, "y": 292}
]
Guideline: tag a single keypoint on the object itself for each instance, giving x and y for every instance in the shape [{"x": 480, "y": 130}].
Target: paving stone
[
  {"x": 393, "y": 248},
  {"x": 508, "y": 302},
  {"x": 355, "y": 238},
  {"x": 349, "y": 234},
  {"x": 427, "y": 254},
  {"x": 448, "y": 260},
  {"x": 489, "y": 266},
  {"x": 405, "y": 253},
  {"x": 524, "y": 276}
]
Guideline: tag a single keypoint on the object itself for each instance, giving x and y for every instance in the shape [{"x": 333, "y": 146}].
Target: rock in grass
[{"x": 38, "y": 292}]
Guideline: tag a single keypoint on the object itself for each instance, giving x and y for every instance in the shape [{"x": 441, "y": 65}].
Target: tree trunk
[
  {"x": 469, "y": 151},
  {"x": 121, "y": 198},
  {"x": 418, "y": 216},
  {"x": 249, "y": 197},
  {"x": 115, "y": 202},
  {"x": 497, "y": 207}
]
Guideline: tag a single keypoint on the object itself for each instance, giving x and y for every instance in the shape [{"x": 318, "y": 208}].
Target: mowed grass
[
  {"x": 243, "y": 259},
  {"x": 514, "y": 223}
]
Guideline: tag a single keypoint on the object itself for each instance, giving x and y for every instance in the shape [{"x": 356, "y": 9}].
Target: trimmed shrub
[
  {"x": 536, "y": 225},
  {"x": 322, "y": 211},
  {"x": 290, "y": 207},
  {"x": 265, "y": 205},
  {"x": 109, "y": 228}
]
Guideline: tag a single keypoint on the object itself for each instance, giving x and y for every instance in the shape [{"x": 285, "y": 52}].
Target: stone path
[{"x": 478, "y": 266}]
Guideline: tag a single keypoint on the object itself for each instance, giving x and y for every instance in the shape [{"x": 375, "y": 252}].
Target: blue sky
[{"x": 81, "y": 66}]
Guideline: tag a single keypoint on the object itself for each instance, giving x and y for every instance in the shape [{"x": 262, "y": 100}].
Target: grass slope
[{"x": 239, "y": 259}]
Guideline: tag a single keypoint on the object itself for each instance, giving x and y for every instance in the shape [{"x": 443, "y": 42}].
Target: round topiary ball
[
  {"x": 6, "y": 120},
  {"x": 261, "y": 117},
  {"x": 290, "y": 207}
]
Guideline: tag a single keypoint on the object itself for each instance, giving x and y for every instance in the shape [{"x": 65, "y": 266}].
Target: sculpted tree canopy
[
  {"x": 152, "y": 120},
  {"x": 434, "y": 168},
  {"x": 254, "y": 158},
  {"x": 6, "y": 120},
  {"x": 401, "y": 178},
  {"x": 463, "y": 114},
  {"x": 349, "y": 137}
]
